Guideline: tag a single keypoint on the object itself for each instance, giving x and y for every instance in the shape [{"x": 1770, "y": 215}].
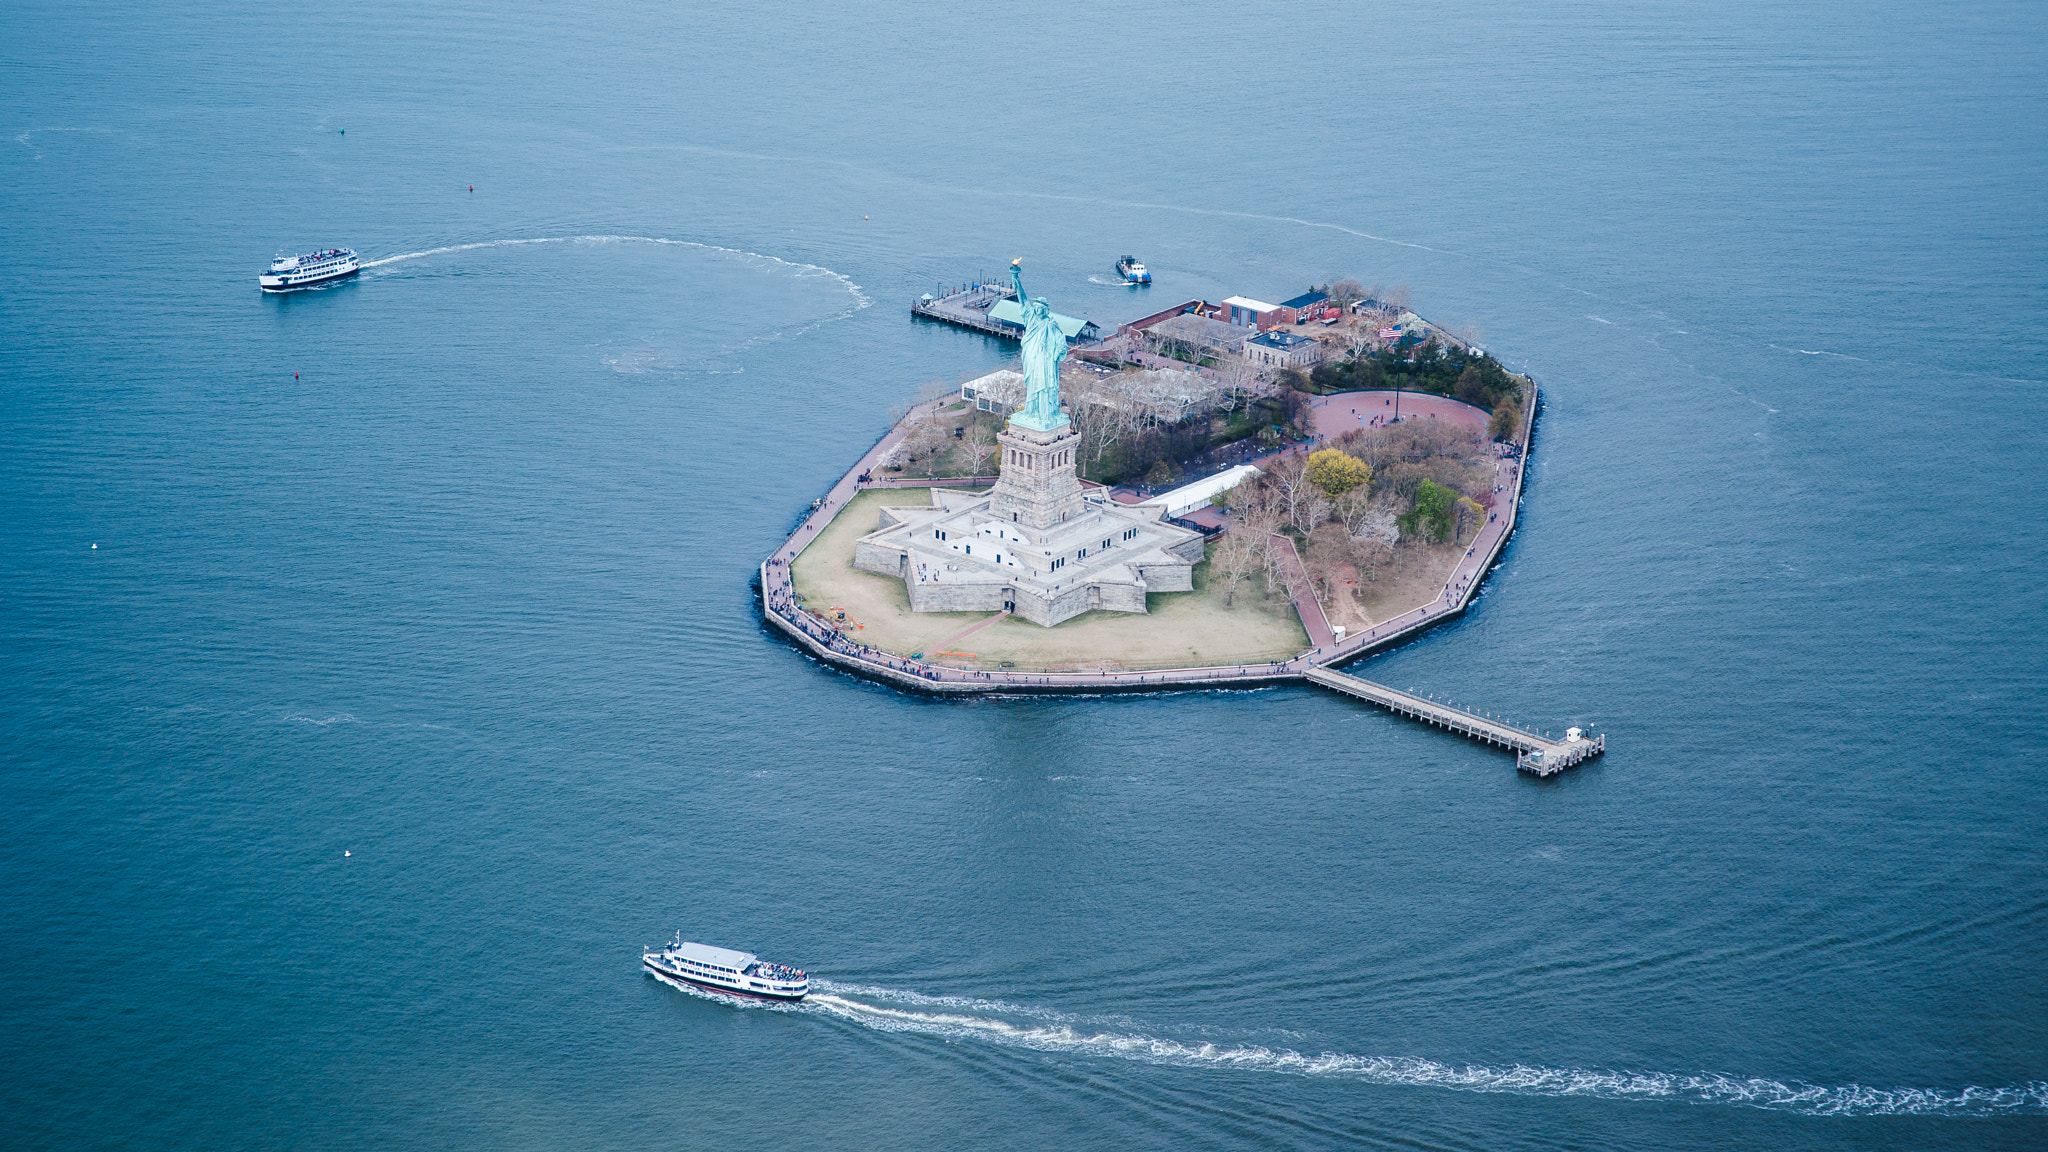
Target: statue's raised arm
[{"x": 1045, "y": 345}]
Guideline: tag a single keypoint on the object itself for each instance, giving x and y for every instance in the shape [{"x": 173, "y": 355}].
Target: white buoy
[
  {"x": 346, "y": 852},
  {"x": 95, "y": 547}
]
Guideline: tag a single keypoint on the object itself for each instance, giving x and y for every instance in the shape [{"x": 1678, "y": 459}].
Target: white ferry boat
[
  {"x": 727, "y": 971},
  {"x": 288, "y": 273},
  {"x": 1132, "y": 271}
]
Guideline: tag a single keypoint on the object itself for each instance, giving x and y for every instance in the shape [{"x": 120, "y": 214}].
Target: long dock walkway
[{"x": 1534, "y": 753}]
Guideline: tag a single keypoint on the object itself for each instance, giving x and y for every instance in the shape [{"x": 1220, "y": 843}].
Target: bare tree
[
  {"x": 927, "y": 392},
  {"x": 1327, "y": 551},
  {"x": 1352, "y": 507},
  {"x": 1290, "y": 476},
  {"x": 981, "y": 445},
  {"x": 1238, "y": 378},
  {"x": 925, "y": 443},
  {"x": 1377, "y": 523},
  {"x": 1241, "y": 553},
  {"x": 1260, "y": 506},
  {"x": 1369, "y": 554},
  {"x": 1098, "y": 414},
  {"x": 1346, "y": 292},
  {"x": 1110, "y": 426}
]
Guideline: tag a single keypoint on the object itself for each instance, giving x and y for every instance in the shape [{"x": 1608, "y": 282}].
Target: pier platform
[
  {"x": 1533, "y": 753},
  {"x": 967, "y": 307},
  {"x": 982, "y": 308}
]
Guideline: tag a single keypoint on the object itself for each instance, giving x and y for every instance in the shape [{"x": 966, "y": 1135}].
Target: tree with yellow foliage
[{"x": 1336, "y": 471}]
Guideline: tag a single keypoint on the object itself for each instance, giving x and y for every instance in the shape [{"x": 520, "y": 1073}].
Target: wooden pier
[
  {"x": 968, "y": 308},
  {"x": 1533, "y": 753},
  {"x": 974, "y": 307}
]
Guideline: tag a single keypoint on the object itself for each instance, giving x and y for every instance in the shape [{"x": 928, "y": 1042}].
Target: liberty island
[{"x": 1039, "y": 546}]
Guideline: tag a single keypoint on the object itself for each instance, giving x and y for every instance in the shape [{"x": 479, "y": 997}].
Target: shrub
[
  {"x": 1432, "y": 511},
  {"x": 1507, "y": 421}
]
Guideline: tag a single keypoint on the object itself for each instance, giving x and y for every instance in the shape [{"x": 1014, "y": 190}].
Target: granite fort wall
[
  {"x": 880, "y": 559},
  {"x": 940, "y": 596},
  {"x": 1167, "y": 578}
]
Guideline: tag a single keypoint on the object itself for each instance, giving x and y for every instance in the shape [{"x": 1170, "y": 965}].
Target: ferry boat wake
[
  {"x": 965, "y": 1018},
  {"x": 724, "y": 970}
]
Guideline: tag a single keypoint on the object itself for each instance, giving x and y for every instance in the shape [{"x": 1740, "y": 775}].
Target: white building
[{"x": 1278, "y": 349}]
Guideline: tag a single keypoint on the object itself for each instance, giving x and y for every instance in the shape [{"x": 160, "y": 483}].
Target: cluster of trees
[
  {"x": 1326, "y": 499},
  {"x": 1134, "y": 425},
  {"x": 933, "y": 447},
  {"x": 1444, "y": 369},
  {"x": 1124, "y": 442},
  {"x": 1440, "y": 513},
  {"x": 1347, "y": 292},
  {"x": 1352, "y": 503}
]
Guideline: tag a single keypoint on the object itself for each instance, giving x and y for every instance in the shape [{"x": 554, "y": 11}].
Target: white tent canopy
[{"x": 1188, "y": 497}]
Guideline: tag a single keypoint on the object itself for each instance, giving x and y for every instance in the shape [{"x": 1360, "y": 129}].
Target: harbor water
[{"x": 380, "y": 670}]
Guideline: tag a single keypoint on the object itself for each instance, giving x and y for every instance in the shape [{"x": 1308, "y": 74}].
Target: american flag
[{"x": 1389, "y": 333}]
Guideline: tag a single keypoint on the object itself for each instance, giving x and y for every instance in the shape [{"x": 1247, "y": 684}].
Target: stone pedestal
[{"x": 1036, "y": 487}]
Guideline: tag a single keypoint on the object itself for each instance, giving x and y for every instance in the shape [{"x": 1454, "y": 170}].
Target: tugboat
[
  {"x": 1132, "y": 271},
  {"x": 290, "y": 273},
  {"x": 727, "y": 971}
]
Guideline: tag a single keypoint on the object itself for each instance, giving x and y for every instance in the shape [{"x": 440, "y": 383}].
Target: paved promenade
[
  {"x": 1350, "y": 411},
  {"x": 1302, "y": 591}
]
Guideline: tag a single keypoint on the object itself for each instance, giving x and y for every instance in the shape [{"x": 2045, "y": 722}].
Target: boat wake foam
[
  {"x": 860, "y": 298},
  {"x": 961, "y": 1018},
  {"x": 1818, "y": 352}
]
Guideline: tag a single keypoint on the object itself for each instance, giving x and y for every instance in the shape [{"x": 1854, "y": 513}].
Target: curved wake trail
[
  {"x": 962, "y": 1018},
  {"x": 861, "y": 299}
]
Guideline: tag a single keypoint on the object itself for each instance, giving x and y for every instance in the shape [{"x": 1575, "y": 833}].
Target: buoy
[
  {"x": 344, "y": 131},
  {"x": 346, "y": 852},
  {"x": 295, "y": 375},
  {"x": 472, "y": 187},
  {"x": 95, "y": 547}
]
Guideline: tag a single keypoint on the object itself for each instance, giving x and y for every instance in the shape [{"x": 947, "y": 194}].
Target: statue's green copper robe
[{"x": 1044, "y": 347}]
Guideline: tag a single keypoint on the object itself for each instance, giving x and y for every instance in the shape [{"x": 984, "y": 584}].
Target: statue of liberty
[{"x": 1045, "y": 345}]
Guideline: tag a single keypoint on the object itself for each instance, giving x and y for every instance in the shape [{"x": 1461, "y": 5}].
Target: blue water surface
[{"x": 379, "y": 669}]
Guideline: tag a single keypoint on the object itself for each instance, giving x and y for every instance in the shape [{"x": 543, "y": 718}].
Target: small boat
[
  {"x": 290, "y": 273},
  {"x": 1132, "y": 271},
  {"x": 724, "y": 970}
]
